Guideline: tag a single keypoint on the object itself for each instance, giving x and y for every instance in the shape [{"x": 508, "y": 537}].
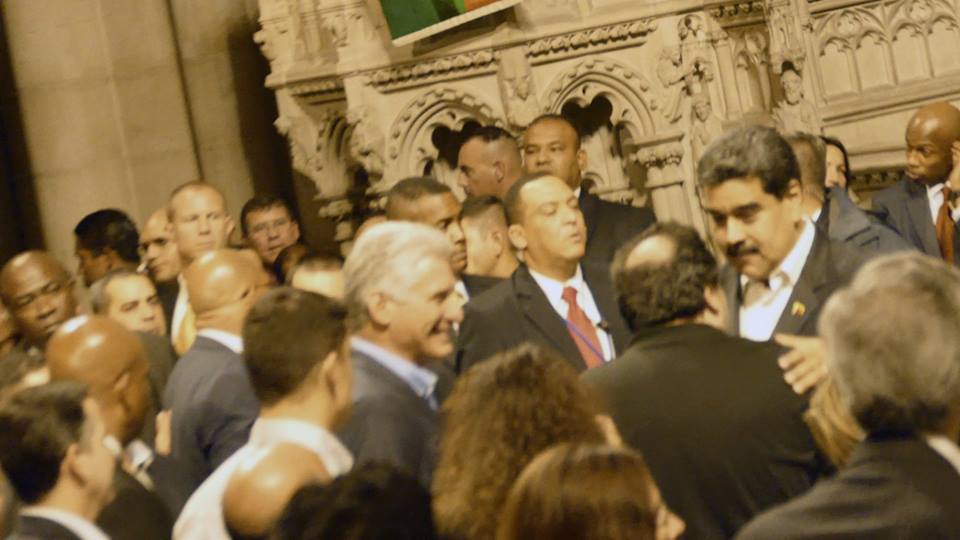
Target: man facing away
[
  {"x": 402, "y": 308},
  {"x": 297, "y": 355},
  {"x": 488, "y": 163},
  {"x": 105, "y": 240},
  {"x": 720, "y": 430},
  {"x": 894, "y": 352}
]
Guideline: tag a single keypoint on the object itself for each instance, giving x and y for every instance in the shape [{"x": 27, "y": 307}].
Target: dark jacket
[
  {"x": 610, "y": 225},
  {"x": 721, "y": 431},
  {"x": 905, "y": 208},
  {"x": 845, "y": 222},
  {"x": 135, "y": 513}
]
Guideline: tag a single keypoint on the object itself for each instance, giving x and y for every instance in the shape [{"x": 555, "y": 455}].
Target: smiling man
[
  {"x": 553, "y": 299},
  {"x": 401, "y": 307},
  {"x": 781, "y": 268}
]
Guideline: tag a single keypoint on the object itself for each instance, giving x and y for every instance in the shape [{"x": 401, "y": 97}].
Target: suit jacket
[
  {"x": 479, "y": 284},
  {"x": 892, "y": 488},
  {"x": 167, "y": 292},
  {"x": 389, "y": 421},
  {"x": 517, "y": 311},
  {"x": 829, "y": 266},
  {"x": 845, "y": 222},
  {"x": 135, "y": 513},
  {"x": 38, "y": 528},
  {"x": 905, "y": 208},
  {"x": 213, "y": 408},
  {"x": 610, "y": 225},
  {"x": 160, "y": 355},
  {"x": 721, "y": 431}
]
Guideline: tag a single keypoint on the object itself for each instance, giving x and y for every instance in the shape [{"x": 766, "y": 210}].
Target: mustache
[{"x": 740, "y": 248}]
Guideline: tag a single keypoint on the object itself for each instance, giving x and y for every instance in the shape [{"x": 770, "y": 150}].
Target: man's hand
[
  {"x": 804, "y": 366},
  {"x": 162, "y": 443},
  {"x": 953, "y": 181}
]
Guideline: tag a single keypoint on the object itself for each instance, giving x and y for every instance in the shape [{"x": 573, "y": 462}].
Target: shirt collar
[
  {"x": 74, "y": 523},
  {"x": 271, "y": 431},
  {"x": 228, "y": 340},
  {"x": 946, "y": 448},
  {"x": 554, "y": 288},
  {"x": 421, "y": 380},
  {"x": 934, "y": 190},
  {"x": 790, "y": 268}
]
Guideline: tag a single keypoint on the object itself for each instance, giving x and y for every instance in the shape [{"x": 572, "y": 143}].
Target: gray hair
[
  {"x": 811, "y": 156},
  {"x": 382, "y": 260},
  {"x": 893, "y": 345},
  {"x": 99, "y": 299},
  {"x": 752, "y": 151}
]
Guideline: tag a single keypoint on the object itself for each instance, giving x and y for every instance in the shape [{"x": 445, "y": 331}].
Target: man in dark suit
[
  {"x": 52, "y": 451},
  {"x": 922, "y": 207},
  {"x": 402, "y": 307},
  {"x": 209, "y": 394},
  {"x": 780, "y": 268},
  {"x": 112, "y": 362},
  {"x": 721, "y": 432},
  {"x": 552, "y": 299},
  {"x": 551, "y": 145},
  {"x": 903, "y": 481},
  {"x": 490, "y": 256},
  {"x": 105, "y": 240}
]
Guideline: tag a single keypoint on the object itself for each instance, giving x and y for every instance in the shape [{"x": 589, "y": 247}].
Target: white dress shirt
[
  {"x": 946, "y": 448},
  {"x": 202, "y": 516},
  {"x": 79, "y": 526},
  {"x": 935, "y": 197},
  {"x": 763, "y": 303},
  {"x": 553, "y": 290},
  {"x": 228, "y": 340}
]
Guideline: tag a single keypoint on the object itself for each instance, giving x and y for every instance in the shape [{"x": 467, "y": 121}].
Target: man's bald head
[
  {"x": 930, "y": 133},
  {"x": 111, "y": 361},
  {"x": 39, "y": 292},
  {"x": 223, "y": 285}
]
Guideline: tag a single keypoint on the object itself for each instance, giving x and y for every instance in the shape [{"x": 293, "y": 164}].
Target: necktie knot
[{"x": 569, "y": 296}]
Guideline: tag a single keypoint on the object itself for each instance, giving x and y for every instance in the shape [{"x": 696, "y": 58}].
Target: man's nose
[{"x": 734, "y": 231}]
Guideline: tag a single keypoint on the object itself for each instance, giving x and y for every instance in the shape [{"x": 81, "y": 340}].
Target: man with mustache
[
  {"x": 922, "y": 207},
  {"x": 781, "y": 268},
  {"x": 554, "y": 298}
]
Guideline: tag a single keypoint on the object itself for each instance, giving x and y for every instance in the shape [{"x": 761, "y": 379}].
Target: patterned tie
[
  {"x": 945, "y": 227},
  {"x": 582, "y": 330}
]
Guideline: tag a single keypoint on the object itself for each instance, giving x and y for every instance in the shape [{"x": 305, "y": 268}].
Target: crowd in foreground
[{"x": 531, "y": 363}]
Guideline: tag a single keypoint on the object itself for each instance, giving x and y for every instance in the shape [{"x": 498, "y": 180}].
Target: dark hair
[
  {"x": 109, "y": 228},
  {"x": 582, "y": 492},
  {"x": 286, "y": 334},
  {"x": 811, "y": 158},
  {"x": 660, "y": 291},
  {"x": 410, "y": 190},
  {"x": 513, "y": 202},
  {"x": 488, "y": 134},
  {"x": 99, "y": 299},
  {"x": 289, "y": 257},
  {"x": 372, "y": 502},
  {"x": 14, "y": 366},
  {"x": 263, "y": 202},
  {"x": 37, "y": 426},
  {"x": 316, "y": 262},
  {"x": 752, "y": 151},
  {"x": 554, "y": 117},
  {"x": 501, "y": 414},
  {"x": 481, "y": 204},
  {"x": 830, "y": 141}
]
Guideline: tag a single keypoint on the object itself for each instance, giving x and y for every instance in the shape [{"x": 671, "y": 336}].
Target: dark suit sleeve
[
  {"x": 229, "y": 415},
  {"x": 135, "y": 513},
  {"x": 478, "y": 339},
  {"x": 380, "y": 431}
]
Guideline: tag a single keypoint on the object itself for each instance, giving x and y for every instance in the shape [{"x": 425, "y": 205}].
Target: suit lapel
[
  {"x": 603, "y": 294},
  {"x": 589, "y": 206},
  {"x": 537, "y": 309},
  {"x": 918, "y": 210},
  {"x": 805, "y": 298}
]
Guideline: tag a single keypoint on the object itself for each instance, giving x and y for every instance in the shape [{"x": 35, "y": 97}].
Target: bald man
[
  {"x": 489, "y": 163},
  {"x": 209, "y": 393},
  {"x": 914, "y": 207},
  {"x": 160, "y": 254},
  {"x": 39, "y": 292},
  {"x": 110, "y": 360}
]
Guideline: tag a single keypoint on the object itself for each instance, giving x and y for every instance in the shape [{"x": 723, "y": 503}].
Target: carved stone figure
[
  {"x": 795, "y": 113},
  {"x": 366, "y": 140},
  {"x": 704, "y": 125},
  {"x": 517, "y": 88}
]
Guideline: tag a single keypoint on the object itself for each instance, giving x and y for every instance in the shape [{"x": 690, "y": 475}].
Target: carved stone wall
[{"x": 664, "y": 78}]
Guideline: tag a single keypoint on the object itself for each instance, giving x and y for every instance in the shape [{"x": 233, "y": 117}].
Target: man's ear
[
  {"x": 499, "y": 171},
  {"x": 518, "y": 237},
  {"x": 72, "y": 465},
  {"x": 380, "y": 309},
  {"x": 230, "y": 226},
  {"x": 793, "y": 196},
  {"x": 296, "y": 231},
  {"x": 582, "y": 159},
  {"x": 499, "y": 241},
  {"x": 715, "y": 313}
]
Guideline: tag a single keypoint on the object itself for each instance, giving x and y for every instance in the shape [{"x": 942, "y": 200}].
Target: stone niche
[{"x": 649, "y": 84}]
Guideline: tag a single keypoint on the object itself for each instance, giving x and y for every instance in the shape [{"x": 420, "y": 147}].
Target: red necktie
[
  {"x": 582, "y": 330},
  {"x": 945, "y": 228}
]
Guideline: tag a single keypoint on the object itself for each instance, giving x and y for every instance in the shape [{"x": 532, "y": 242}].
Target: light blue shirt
[{"x": 421, "y": 380}]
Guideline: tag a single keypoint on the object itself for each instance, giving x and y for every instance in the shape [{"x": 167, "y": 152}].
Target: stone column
[
  {"x": 100, "y": 95},
  {"x": 671, "y": 186}
]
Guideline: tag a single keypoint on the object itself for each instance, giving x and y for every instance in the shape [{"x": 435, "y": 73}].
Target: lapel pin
[{"x": 798, "y": 309}]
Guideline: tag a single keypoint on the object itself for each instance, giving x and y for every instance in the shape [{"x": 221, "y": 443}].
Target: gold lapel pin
[{"x": 798, "y": 309}]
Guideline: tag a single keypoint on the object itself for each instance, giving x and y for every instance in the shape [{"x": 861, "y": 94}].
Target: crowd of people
[{"x": 533, "y": 362}]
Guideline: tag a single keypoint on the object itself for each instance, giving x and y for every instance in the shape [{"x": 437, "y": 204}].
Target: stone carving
[
  {"x": 751, "y": 65},
  {"x": 302, "y": 138},
  {"x": 784, "y": 26},
  {"x": 436, "y": 70},
  {"x": 634, "y": 32},
  {"x": 517, "y": 88},
  {"x": 737, "y": 9},
  {"x": 366, "y": 140},
  {"x": 795, "y": 112},
  {"x": 681, "y": 75},
  {"x": 704, "y": 125}
]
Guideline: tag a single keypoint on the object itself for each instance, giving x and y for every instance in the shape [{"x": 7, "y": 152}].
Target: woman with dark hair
[
  {"x": 587, "y": 492},
  {"x": 502, "y": 413},
  {"x": 838, "y": 164}
]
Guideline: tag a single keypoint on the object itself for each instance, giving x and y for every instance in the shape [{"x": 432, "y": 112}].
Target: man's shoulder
[
  {"x": 615, "y": 211},
  {"x": 896, "y": 191}
]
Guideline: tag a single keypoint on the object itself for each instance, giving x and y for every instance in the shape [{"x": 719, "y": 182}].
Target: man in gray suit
[
  {"x": 402, "y": 307},
  {"x": 209, "y": 392}
]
